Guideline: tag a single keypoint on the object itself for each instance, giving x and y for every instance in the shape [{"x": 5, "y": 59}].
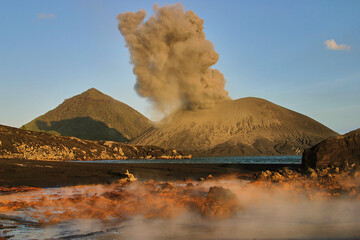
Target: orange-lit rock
[{"x": 220, "y": 203}]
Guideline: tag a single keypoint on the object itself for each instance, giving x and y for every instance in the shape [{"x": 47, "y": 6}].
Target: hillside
[
  {"x": 246, "y": 126},
  {"x": 31, "y": 145},
  {"x": 92, "y": 115}
]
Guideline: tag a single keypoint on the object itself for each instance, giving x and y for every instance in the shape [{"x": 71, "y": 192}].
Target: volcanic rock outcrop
[
  {"x": 246, "y": 126},
  {"x": 334, "y": 151},
  {"x": 92, "y": 115},
  {"x": 18, "y": 143},
  {"x": 220, "y": 203}
]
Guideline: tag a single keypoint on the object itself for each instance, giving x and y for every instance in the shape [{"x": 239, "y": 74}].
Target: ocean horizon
[{"x": 287, "y": 159}]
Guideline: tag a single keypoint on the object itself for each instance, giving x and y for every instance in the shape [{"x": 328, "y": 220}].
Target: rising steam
[
  {"x": 172, "y": 58},
  {"x": 224, "y": 208}
]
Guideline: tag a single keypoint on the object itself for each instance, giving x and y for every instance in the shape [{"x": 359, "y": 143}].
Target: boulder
[
  {"x": 335, "y": 151},
  {"x": 220, "y": 203}
]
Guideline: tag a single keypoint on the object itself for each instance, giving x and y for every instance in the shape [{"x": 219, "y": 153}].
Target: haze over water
[{"x": 291, "y": 159}]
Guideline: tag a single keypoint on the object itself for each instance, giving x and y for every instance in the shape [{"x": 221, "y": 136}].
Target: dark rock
[{"x": 341, "y": 151}]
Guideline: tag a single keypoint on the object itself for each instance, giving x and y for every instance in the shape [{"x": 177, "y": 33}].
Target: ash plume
[{"x": 172, "y": 58}]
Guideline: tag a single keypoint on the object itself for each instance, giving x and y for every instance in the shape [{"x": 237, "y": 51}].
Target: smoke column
[{"x": 172, "y": 59}]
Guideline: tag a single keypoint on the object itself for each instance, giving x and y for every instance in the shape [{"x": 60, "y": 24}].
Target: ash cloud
[{"x": 172, "y": 59}]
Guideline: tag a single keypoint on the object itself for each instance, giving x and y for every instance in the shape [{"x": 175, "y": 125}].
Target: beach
[{"x": 34, "y": 173}]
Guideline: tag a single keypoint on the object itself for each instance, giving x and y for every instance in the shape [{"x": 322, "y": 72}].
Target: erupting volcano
[
  {"x": 114, "y": 174},
  {"x": 247, "y": 126},
  {"x": 172, "y": 61}
]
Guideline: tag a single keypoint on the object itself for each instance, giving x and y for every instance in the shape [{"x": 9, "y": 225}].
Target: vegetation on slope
[{"x": 92, "y": 115}]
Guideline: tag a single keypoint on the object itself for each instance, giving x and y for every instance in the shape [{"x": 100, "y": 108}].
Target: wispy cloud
[
  {"x": 332, "y": 45},
  {"x": 46, "y": 16}
]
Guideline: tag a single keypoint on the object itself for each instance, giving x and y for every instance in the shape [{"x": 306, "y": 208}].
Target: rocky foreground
[
  {"x": 303, "y": 202},
  {"x": 18, "y": 143},
  {"x": 332, "y": 166},
  {"x": 320, "y": 202},
  {"x": 329, "y": 181}
]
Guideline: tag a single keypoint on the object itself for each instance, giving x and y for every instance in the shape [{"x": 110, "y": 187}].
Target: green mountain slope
[{"x": 92, "y": 115}]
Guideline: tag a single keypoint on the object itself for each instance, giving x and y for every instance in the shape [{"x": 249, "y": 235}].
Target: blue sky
[{"x": 53, "y": 50}]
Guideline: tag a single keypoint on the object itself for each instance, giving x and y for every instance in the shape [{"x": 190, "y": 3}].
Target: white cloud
[
  {"x": 332, "y": 45},
  {"x": 46, "y": 15}
]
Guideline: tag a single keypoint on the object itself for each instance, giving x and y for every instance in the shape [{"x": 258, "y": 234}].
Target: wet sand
[{"x": 34, "y": 173}]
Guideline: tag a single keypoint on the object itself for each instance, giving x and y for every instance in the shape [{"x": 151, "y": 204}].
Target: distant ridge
[
  {"x": 246, "y": 126},
  {"x": 92, "y": 115}
]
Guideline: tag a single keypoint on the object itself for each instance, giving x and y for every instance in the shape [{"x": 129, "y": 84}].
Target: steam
[
  {"x": 170, "y": 210},
  {"x": 172, "y": 59}
]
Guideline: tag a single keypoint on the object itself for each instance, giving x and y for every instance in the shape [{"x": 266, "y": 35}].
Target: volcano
[
  {"x": 246, "y": 126},
  {"x": 92, "y": 115}
]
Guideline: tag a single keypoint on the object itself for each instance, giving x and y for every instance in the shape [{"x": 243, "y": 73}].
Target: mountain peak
[
  {"x": 92, "y": 115},
  {"x": 94, "y": 94},
  {"x": 92, "y": 90}
]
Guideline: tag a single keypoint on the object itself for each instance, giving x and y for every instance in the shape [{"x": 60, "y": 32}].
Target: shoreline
[{"x": 38, "y": 173}]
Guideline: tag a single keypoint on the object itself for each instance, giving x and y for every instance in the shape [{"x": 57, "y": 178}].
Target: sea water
[{"x": 290, "y": 159}]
